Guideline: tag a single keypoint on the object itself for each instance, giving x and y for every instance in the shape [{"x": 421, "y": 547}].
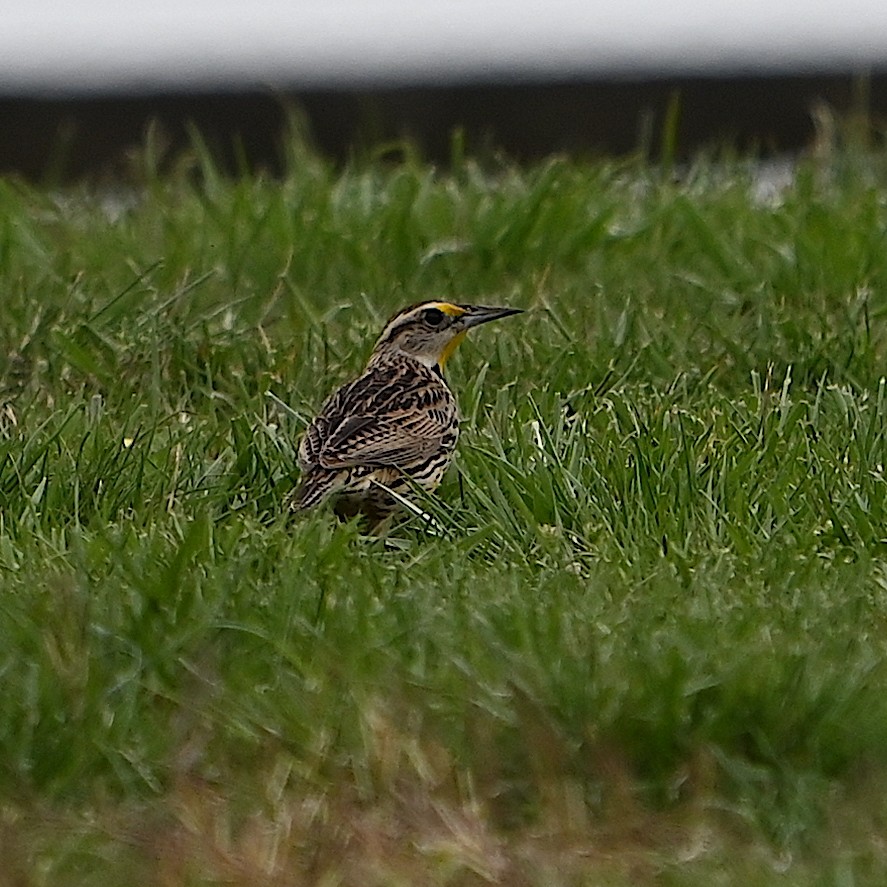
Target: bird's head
[{"x": 431, "y": 331}]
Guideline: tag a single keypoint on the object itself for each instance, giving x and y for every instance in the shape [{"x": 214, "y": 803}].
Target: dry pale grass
[{"x": 408, "y": 815}]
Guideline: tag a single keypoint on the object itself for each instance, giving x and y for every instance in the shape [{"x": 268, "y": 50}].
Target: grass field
[{"x": 647, "y": 645}]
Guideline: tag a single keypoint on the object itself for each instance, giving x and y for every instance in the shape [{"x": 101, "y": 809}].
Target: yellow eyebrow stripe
[{"x": 448, "y": 308}]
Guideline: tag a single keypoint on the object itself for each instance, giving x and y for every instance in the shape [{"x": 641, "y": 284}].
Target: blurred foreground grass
[{"x": 649, "y": 644}]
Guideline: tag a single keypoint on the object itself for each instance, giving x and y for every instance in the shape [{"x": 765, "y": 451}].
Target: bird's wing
[
  {"x": 376, "y": 419},
  {"x": 400, "y": 439}
]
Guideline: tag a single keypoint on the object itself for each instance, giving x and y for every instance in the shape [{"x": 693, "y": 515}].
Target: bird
[{"x": 393, "y": 426}]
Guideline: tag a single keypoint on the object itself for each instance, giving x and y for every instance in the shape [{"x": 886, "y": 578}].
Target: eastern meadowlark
[{"x": 395, "y": 424}]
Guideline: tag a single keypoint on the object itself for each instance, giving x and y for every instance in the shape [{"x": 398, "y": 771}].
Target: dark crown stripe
[{"x": 403, "y": 318}]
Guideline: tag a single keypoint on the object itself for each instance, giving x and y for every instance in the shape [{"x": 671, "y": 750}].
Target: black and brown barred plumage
[{"x": 395, "y": 424}]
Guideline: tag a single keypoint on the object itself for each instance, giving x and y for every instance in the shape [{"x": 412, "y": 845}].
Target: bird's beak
[{"x": 475, "y": 315}]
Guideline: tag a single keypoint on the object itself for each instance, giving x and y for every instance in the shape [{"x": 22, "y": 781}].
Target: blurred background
[{"x": 81, "y": 82}]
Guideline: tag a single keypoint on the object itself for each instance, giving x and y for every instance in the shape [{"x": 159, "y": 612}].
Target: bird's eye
[{"x": 434, "y": 316}]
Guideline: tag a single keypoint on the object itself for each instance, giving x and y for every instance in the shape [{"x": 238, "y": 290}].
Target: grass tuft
[{"x": 645, "y": 640}]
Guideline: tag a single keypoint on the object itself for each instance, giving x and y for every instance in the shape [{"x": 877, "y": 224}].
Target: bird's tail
[{"x": 313, "y": 489}]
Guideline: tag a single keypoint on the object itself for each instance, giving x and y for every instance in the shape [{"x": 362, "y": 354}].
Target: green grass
[{"x": 647, "y": 645}]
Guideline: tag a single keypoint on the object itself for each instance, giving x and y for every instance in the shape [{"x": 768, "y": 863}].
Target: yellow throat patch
[{"x": 450, "y": 347}]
